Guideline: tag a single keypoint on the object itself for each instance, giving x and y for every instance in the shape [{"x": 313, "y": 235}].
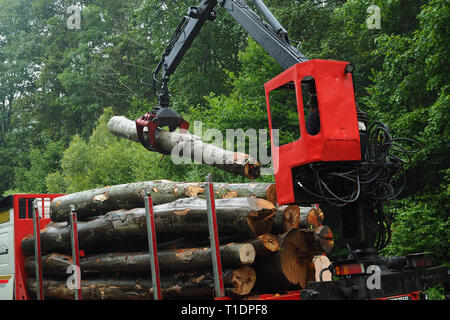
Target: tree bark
[
  {"x": 191, "y": 147},
  {"x": 96, "y": 202},
  {"x": 194, "y": 241},
  {"x": 122, "y": 229},
  {"x": 263, "y": 190},
  {"x": 198, "y": 284},
  {"x": 138, "y": 263}
]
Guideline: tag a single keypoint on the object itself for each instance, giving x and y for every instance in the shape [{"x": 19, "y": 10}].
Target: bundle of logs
[{"x": 264, "y": 248}]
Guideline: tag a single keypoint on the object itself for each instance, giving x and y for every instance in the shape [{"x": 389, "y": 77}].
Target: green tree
[{"x": 411, "y": 94}]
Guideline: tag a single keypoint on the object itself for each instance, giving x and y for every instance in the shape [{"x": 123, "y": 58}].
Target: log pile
[{"x": 264, "y": 247}]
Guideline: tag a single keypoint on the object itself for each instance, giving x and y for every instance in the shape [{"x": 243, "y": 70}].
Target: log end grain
[
  {"x": 243, "y": 280},
  {"x": 325, "y": 237},
  {"x": 270, "y": 241},
  {"x": 311, "y": 217},
  {"x": 252, "y": 168},
  {"x": 295, "y": 257},
  {"x": 320, "y": 215},
  {"x": 291, "y": 217},
  {"x": 247, "y": 253},
  {"x": 266, "y": 244},
  {"x": 315, "y": 217}
]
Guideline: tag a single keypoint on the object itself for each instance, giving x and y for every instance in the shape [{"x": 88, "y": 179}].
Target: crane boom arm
[{"x": 270, "y": 35}]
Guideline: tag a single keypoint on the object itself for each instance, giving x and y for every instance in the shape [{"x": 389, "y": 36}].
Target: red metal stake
[
  {"x": 37, "y": 251},
  {"x": 152, "y": 245},
  {"x": 75, "y": 252}
]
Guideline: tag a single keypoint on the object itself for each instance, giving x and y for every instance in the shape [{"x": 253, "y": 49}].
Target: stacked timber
[{"x": 263, "y": 247}]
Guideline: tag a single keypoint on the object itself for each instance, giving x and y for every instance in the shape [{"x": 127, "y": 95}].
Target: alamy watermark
[
  {"x": 373, "y": 282},
  {"x": 321, "y": 3},
  {"x": 373, "y": 21},
  {"x": 228, "y": 149},
  {"x": 74, "y": 280},
  {"x": 73, "y": 22}
]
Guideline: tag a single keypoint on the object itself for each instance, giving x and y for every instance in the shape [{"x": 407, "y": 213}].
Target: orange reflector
[{"x": 348, "y": 269}]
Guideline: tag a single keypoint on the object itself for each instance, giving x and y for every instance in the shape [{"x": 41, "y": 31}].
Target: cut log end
[
  {"x": 252, "y": 169},
  {"x": 247, "y": 253},
  {"x": 266, "y": 244},
  {"x": 320, "y": 215},
  {"x": 270, "y": 241},
  {"x": 295, "y": 257},
  {"x": 315, "y": 217},
  {"x": 325, "y": 237},
  {"x": 291, "y": 217},
  {"x": 311, "y": 217},
  {"x": 243, "y": 280}
]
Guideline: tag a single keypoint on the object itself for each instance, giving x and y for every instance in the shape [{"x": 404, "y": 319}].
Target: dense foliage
[{"x": 59, "y": 86}]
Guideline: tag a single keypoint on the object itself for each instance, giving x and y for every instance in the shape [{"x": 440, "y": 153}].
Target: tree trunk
[
  {"x": 122, "y": 229},
  {"x": 198, "y": 284},
  {"x": 191, "y": 147},
  {"x": 138, "y": 263},
  {"x": 96, "y": 202}
]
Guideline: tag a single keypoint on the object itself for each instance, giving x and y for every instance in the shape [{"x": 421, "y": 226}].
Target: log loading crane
[{"x": 349, "y": 165}]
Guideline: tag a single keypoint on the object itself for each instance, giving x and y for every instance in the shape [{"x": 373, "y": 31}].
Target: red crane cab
[{"x": 338, "y": 139}]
